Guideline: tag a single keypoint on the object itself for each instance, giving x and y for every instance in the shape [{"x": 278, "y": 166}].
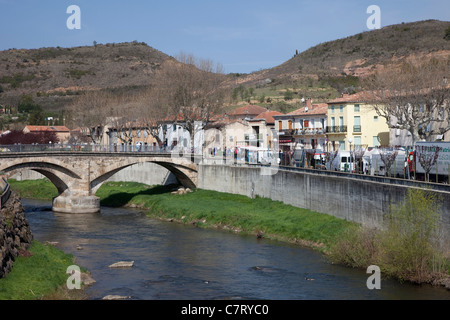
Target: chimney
[{"x": 309, "y": 104}]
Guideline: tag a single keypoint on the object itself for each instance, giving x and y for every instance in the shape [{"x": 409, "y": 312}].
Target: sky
[{"x": 241, "y": 35}]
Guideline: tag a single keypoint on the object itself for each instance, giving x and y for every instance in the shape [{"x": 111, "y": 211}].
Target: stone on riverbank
[{"x": 115, "y": 297}]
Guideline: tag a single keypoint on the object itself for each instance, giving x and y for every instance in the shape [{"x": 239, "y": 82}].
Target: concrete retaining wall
[{"x": 361, "y": 201}]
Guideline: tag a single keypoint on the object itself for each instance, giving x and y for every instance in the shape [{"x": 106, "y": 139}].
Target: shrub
[
  {"x": 411, "y": 244},
  {"x": 407, "y": 248}
]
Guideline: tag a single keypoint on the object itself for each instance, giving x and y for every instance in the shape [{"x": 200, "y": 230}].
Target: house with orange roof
[
  {"x": 62, "y": 132},
  {"x": 304, "y": 127},
  {"x": 262, "y": 130},
  {"x": 246, "y": 112},
  {"x": 354, "y": 123}
]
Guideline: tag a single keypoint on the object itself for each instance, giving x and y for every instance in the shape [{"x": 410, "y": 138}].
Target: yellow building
[{"x": 353, "y": 123}]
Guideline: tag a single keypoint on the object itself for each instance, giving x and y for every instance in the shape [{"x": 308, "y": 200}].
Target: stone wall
[
  {"x": 346, "y": 197},
  {"x": 15, "y": 233}
]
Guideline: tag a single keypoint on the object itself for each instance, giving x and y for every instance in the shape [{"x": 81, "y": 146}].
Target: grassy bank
[
  {"x": 211, "y": 209},
  {"x": 41, "y": 275}
]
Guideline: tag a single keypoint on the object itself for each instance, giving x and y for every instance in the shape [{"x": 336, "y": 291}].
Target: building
[
  {"x": 262, "y": 130},
  {"x": 62, "y": 132},
  {"x": 246, "y": 112},
  {"x": 309, "y": 124},
  {"x": 353, "y": 123},
  {"x": 303, "y": 128}
]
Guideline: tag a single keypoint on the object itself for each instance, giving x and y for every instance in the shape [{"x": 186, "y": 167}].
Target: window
[
  {"x": 280, "y": 125},
  {"x": 357, "y": 124},
  {"x": 375, "y": 118},
  {"x": 306, "y": 123},
  {"x": 357, "y": 141},
  {"x": 356, "y": 107},
  {"x": 332, "y": 109},
  {"x": 342, "y": 145},
  {"x": 341, "y": 108},
  {"x": 290, "y": 124}
]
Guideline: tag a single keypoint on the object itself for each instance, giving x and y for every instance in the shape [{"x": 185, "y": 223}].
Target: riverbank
[
  {"x": 342, "y": 241},
  {"x": 39, "y": 274}
]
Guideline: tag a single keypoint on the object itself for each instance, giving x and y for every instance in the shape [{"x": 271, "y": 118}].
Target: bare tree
[
  {"x": 330, "y": 156},
  {"x": 192, "y": 91},
  {"x": 388, "y": 158},
  {"x": 152, "y": 112},
  {"x": 90, "y": 111},
  {"x": 413, "y": 96},
  {"x": 357, "y": 154},
  {"x": 427, "y": 157}
]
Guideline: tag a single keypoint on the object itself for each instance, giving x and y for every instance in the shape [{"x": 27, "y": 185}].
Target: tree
[
  {"x": 447, "y": 34},
  {"x": 427, "y": 157},
  {"x": 413, "y": 96},
  {"x": 91, "y": 111},
  {"x": 329, "y": 157},
  {"x": 191, "y": 92},
  {"x": 19, "y": 137},
  {"x": 357, "y": 153},
  {"x": 388, "y": 158}
]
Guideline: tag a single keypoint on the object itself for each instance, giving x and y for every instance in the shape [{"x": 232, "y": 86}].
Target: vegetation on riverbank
[
  {"x": 407, "y": 248},
  {"x": 260, "y": 216},
  {"x": 39, "y": 274},
  {"x": 41, "y": 189}
]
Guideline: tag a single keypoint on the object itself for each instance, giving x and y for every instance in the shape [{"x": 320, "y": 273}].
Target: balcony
[
  {"x": 310, "y": 131},
  {"x": 337, "y": 129},
  {"x": 357, "y": 128}
]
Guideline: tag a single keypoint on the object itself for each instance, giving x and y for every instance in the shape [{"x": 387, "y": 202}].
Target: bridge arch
[
  {"x": 55, "y": 173},
  {"x": 180, "y": 172}
]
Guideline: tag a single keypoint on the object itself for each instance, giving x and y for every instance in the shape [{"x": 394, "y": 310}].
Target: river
[{"x": 178, "y": 262}]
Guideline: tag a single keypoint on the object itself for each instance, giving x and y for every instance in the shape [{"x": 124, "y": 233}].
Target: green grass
[
  {"x": 41, "y": 189},
  {"x": 228, "y": 211},
  {"x": 37, "y": 276}
]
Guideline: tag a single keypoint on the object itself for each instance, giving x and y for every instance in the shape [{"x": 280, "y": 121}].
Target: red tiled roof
[
  {"x": 47, "y": 128},
  {"x": 247, "y": 110},
  {"x": 362, "y": 96},
  {"x": 314, "y": 109},
  {"x": 267, "y": 116}
]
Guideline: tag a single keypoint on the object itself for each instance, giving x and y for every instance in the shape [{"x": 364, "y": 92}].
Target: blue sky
[{"x": 242, "y": 35}]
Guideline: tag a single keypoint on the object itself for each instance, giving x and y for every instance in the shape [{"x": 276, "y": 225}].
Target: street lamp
[{"x": 350, "y": 140}]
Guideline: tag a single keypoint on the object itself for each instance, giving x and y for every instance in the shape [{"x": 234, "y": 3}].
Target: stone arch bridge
[{"x": 78, "y": 175}]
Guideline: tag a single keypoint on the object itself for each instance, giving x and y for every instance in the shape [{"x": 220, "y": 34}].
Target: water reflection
[{"x": 179, "y": 262}]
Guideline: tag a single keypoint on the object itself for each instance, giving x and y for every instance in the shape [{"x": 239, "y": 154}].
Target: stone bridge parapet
[{"x": 78, "y": 175}]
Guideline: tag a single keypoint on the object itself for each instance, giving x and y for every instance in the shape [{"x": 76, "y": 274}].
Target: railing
[
  {"x": 336, "y": 129},
  {"x": 310, "y": 131},
  {"x": 356, "y": 128},
  {"x": 6, "y": 191},
  {"x": 89, "y": 148}
]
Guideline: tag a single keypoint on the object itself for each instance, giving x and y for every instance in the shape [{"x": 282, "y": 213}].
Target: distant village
[{"x": 345, "y": 124}]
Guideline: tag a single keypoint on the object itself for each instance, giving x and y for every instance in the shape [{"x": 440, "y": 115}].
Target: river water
[{"x": 178, "y": 262}]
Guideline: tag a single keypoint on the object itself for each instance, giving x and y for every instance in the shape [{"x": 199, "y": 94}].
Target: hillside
[
  {"x": 359, "y": 54},
  {"x": 55, "y": 75}
]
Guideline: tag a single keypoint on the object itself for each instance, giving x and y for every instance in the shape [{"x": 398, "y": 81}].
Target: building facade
[{"x": 353, "y": 123}]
